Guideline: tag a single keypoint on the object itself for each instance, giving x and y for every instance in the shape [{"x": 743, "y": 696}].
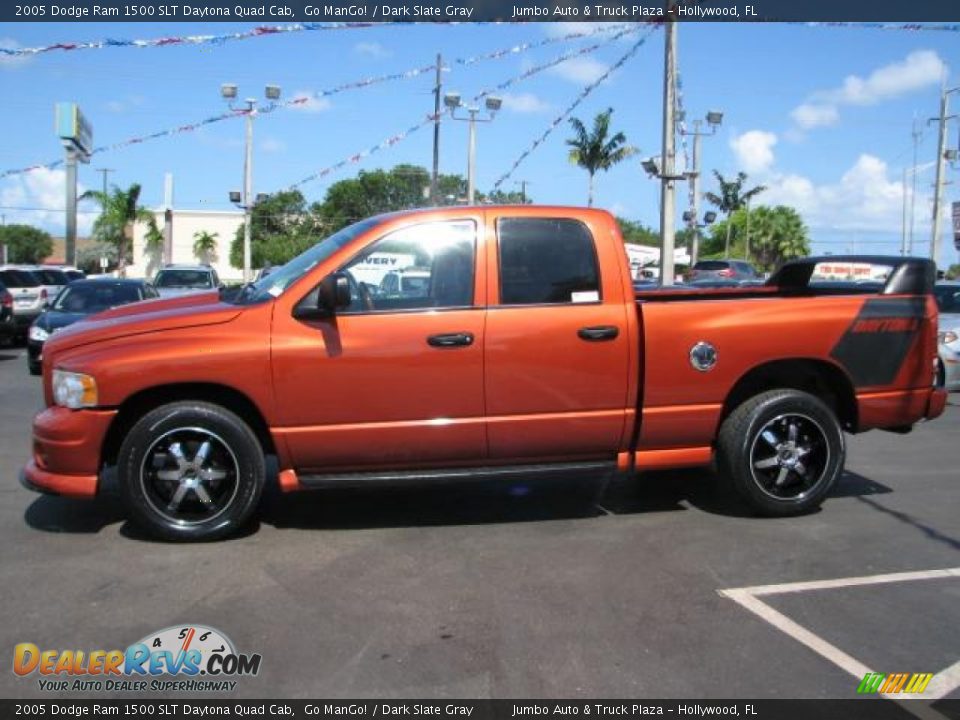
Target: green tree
[
  {"x": 282, "y": 228},
  {"x": 26, "y": 244},
  {"x": 373, "y": 192},
  {"x": 597, "y": 149},
  {"x": 638, "y": 233},
  {"x": 205, "y": 245},
  {"x": 953, "y": 272},
  {"x": 731, "y": 198},
  {"x": 767, "y": 236},
  {"x": 499, "y": 197},
  {"x": 119, "y": 211}
]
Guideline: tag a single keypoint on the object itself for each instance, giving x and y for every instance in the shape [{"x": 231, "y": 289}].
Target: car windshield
[
  {"x": 95, "y": 296},
  {"x": 192, "y": 279},
  {"x": 18, "y": 279},
  {"x": 281, "y": 278},
  {"x": 948, "y": 298}
]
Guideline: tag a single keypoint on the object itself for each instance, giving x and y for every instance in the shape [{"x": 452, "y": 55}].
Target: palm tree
[
  {"x": 119, "y": 211},
  {"x": 731, "y": 198},
  {"x": 153, "y": 245},
  {"x": 779, "y": 235},
  {"x": 597, "y": 150},
  {"x": 204, "y": 245}
]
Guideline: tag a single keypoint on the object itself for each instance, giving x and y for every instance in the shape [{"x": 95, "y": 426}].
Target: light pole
[
  {"x": 492, "y": 104},
  {"x": 228, "y": 92},
  {"x": 714, "y": 119},
  {"x": 653, "y": 168},
  {"x": 941, "y": 156}
]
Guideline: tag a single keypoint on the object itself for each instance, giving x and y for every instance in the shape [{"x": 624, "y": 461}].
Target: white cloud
[
  {"x": 127, "y": 103},
  {"x": 560, "y": 29},
  {"x": 580, "y": 70},
  {"x": 305, "y": 101},
  {"x": 754, "y": 150},
  {"x": 37, "y": 198},
  {"x": 525, "y": 103},
  {"x": 810, "y": 115},
  {"x": 372, "y": 49},
  {"x": 11, "y": 61},
  {"x": 918, "y": 70}
]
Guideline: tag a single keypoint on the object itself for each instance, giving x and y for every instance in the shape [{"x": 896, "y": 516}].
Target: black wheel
[
  {"x": 190, "y": 471},
  {"x": 941, "y": 374},
  {"x": 35, "y": 368},
  {"x": 782, "y": 451}
]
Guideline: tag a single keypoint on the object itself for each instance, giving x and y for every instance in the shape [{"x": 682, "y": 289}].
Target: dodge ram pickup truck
[{"x": 529, "y": 354}]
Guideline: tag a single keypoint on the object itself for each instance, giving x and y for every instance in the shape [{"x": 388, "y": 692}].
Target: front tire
[
  {"x": 782, "y": 451},
  {"x": 190, "y": 471}
]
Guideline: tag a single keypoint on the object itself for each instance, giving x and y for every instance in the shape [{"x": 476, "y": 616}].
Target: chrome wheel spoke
[
  {"x": 770, "y": 438},
  {"x": 792, "y": 433},
  {"x": 211, "y": 474},
  {"x": 781, "y": 477},
  {"x": 202, "y": 453},
  {"x": 767, "y": 463},
  {"x": 176, "y": 452},
  {"x": 202, "y": 493},
  {"x": 801, "y": 470},
  {"x": 169, "y": 475},
  {"x": 178, "y": 496}
]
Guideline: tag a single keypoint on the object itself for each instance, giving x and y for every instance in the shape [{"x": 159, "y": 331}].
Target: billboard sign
[{"x": 73, "y": 128}]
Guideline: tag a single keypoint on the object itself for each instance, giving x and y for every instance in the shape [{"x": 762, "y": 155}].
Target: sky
[{"x": 820, "y": 115}]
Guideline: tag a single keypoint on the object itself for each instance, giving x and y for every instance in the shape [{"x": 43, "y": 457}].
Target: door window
[
  {"x": 547, "y": 261},
  {"x": 425, "y": 266}
]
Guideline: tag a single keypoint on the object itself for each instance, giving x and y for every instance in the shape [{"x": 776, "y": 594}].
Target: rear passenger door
[{"x": 556, "y": 353}]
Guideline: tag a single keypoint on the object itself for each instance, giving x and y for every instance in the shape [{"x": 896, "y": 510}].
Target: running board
[{"x": 445, "y": 475}]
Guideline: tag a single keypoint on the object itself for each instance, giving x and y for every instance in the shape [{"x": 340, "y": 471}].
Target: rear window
[
  {"x": 183, "y": 279},
  {"x": 711, "y": 265},
  {"x": 50, "y": 277},
  {"x": 96, "y": 296},
  {"x": 948, "y": 298},
  {"x": 547, "y": 261},
  {"x": 18, "y": 279}
]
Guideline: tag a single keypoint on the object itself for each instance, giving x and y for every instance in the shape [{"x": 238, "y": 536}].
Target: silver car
[
  {"x": 948, "y": 336},
  {"x": 174, "y": 280},
  {"x": 53, "y": 280},
  {"x": 29, "y": 296}
]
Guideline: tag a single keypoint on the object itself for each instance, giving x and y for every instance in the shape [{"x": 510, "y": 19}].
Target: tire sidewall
[
  {"x": 739, "y": 463},
  {"x": 228, "y": 427}
]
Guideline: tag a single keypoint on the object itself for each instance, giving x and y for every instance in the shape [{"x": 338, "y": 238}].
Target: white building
[{"x": 180, "y": 237}]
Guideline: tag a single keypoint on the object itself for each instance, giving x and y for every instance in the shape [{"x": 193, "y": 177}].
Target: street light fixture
[
  {"x": 245, "y": 200},
  {"x": 714, "y": 119},
  {"x": 492, "y": 104}
]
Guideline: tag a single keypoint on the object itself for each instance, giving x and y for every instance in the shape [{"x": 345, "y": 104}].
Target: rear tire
[
  {"x": 782, "y": 451},
  {"x": 190, "y": 471}
]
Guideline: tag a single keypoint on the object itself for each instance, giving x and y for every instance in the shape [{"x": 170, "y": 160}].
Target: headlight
[
  {"x": 74, "y": 390},
  {"x": 38, "y": 334},
  {"x": 946, "y": 337}
]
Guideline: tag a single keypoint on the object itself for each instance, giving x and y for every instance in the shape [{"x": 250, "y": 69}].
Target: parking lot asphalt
[{"x": 494, "y": 590}]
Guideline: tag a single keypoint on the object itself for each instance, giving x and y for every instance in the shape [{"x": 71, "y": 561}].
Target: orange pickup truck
[{"x": 522, "y": 350}]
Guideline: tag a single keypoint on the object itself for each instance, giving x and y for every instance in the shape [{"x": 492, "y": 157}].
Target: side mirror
[{"x": 332, "y": 294}]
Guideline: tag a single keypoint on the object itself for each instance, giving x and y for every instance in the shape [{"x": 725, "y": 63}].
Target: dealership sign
[
  {"x": 73, "y": 128},
  {"x": 956, "y": 225}
]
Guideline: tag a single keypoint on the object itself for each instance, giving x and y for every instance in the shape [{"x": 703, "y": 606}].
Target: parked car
[
  {"x": 51, "y": 279},
  {"x": 80, "y": 300},
  {"x": 29, "y": 296},
  {"x": 722, "y": 270},
  {"x": 529, "y": 355},
  {"x": 174, "y": 280},
  {"x": 948, "y": 336},
  {"x": 7, "y": 326}
]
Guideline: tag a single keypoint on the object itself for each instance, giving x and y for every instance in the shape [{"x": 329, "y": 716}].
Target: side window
[
  {"x": 418, "y": 267},
  {"x": 547, "y": 261}
]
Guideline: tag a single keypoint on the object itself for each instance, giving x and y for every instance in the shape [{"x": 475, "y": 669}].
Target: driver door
[{"x": 395, "y": 379}]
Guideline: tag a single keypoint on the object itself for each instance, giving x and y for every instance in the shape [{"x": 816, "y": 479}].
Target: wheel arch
[
  {"x": 140, "y": 403},
  {"x": 820, "y": 378}
]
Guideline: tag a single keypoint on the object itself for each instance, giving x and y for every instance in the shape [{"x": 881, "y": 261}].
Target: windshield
[
  {"x": 95, "y": 297},
  {"x": 183, "y": 279},
  {"x": 18, "y": 279},
  {"x": 948, "y": 298},
  {"x": 281, "y": 278}
]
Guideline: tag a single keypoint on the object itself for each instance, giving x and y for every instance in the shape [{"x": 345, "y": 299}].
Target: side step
[{"x": 445, "y": 475}]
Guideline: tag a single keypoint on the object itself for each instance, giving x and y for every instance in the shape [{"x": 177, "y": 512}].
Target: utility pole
[
  {"x": 916, "y": 133},
  {"x": 668, "y": 149},
  {"x": 3, "y": 223},
  {"x": 903, "y": 229},
  {"x": 941, "y": 156},
  {"x": 695, "y": 195},
  {"x": 70, "y": 240},
  {"x": 434, "y": 178},
  {"x": 523, "y": 190},
  {"x": 105, "y": 172}
]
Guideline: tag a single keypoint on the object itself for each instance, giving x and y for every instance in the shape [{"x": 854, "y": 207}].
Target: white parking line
[{"x": 942, "y": 684}]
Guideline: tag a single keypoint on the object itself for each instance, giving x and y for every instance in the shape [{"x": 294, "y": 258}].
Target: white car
[
  {"x": 174, "y": 280},
  {"x": 29, "y": 295},
  {"x": 52, "y": 279},
  {"x": 948, "y": 336}
]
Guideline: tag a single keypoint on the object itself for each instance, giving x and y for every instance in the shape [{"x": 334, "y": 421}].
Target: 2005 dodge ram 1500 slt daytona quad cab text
[{"x": 526, "y": 352}]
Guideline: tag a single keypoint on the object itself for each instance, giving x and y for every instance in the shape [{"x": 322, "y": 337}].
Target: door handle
[
  {"x": 598, "y": 332},
  {"x": 445, "y": 340}
]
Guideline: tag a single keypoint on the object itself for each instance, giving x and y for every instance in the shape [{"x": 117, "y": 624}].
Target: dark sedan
[{"x": 79, "y": 300}]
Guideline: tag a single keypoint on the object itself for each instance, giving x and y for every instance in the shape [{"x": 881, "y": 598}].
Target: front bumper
[{"x": 66, "y": 451}]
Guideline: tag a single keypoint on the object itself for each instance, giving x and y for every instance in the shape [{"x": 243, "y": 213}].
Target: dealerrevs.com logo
[{"x": 181, "y": 658}]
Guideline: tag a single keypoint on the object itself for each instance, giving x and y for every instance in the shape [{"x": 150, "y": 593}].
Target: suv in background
[
  {"x": 738, "y": 270},
  {"x": 7, "y": 327},
  {"x": 29, "y": 296},
  {"x": 174, "y": 280},
  {"x": 51, "y": 279}
]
